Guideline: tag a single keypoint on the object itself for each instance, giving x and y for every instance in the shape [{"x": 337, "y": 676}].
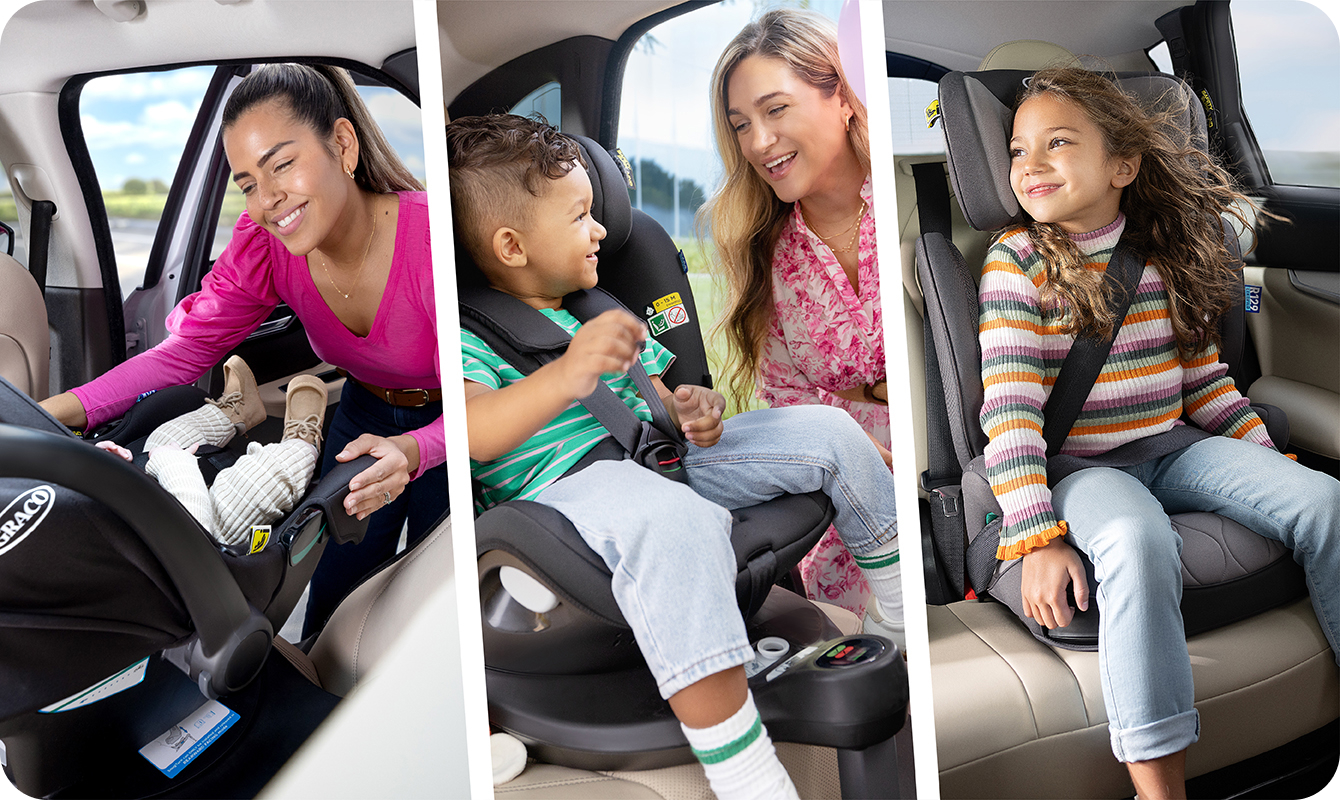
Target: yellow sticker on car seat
[
  {"x": 932, "y": 113},
  {"x": 260, "y": 537},
  {"x": 671, "y": 299}
]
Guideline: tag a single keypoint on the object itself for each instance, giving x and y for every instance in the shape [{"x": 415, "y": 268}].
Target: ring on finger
[{"x": 386, "y": 498}]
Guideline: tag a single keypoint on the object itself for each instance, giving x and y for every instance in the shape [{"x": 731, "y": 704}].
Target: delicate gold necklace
[
  {"x": 851, "y": 243},
  {"x": 358, "y": 275}
]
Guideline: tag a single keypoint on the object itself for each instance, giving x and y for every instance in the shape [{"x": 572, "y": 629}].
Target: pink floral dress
[{"x": 826, "y": 337}]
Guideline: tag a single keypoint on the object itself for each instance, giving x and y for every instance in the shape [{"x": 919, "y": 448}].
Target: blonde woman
[{"x": 794, "y": 226}]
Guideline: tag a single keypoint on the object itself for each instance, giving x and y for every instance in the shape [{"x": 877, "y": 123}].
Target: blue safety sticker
[
  {"x": 179, "y": 745},
  {"x": 1253, "y": 298}
]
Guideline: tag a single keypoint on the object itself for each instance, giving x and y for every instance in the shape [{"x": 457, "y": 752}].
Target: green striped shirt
[{"x": 543, "y": 458}]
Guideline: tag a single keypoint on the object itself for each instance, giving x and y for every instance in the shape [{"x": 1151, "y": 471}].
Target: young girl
[{"x": 1089, "y": 167}]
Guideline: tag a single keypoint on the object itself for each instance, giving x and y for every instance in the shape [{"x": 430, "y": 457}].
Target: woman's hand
[
  {"x": 1047, "y": 571},
  {"x": 877, "y": 393},
  {"x": 884, "y": 452},
  {"x": 379, "y": 484},
  {"x": 67, "y": 409}
]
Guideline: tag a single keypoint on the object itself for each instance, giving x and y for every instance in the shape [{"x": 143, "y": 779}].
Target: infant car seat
[
  {"x": 562, "y": 670},
  {"x": 100, "y": 570},
  {"x": 1229, "y": 573}
]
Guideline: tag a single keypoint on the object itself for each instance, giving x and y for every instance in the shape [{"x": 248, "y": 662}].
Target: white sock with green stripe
[
  {"x": 883, "y": 570},
  {"x": 738, "y": 757}
]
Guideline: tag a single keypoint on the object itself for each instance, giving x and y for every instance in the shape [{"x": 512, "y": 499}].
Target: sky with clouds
[{"x": 136, "y": 124}]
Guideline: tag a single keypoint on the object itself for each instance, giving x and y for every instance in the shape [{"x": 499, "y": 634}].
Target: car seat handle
[{"x": 219, "y": 612}]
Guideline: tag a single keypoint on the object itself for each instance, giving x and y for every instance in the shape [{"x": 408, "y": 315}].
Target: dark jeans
[{"x": 423, "y": 502}]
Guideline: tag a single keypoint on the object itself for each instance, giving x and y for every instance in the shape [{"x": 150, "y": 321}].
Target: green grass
[
  {"x": 711, "y": 300},
  {"x": 140, "y": 206}
]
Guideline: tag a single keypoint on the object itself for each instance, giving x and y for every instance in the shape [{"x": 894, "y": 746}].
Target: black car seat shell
[
  {"x": 566, "y": 677},
  {"x": 102, "y": 568}
]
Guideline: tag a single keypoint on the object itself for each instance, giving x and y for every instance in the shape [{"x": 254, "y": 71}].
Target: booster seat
[
  {"x": 562, "y": 670},
  {"x": 101, "y": 569},
  {"x": 1229, "y": 573}
]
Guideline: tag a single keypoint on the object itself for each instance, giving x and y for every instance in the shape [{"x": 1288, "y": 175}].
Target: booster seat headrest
[
  {"x": 977, "y": 113},
  {"x": 611, "y": 204}
]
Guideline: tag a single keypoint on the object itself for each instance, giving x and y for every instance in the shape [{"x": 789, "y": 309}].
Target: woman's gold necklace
[
  {"x": 363, "y": 264},
  {"x": 851, "y": 243}
]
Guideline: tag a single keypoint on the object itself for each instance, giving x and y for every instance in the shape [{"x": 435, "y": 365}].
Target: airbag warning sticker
[{"x": 178, "y": 746}]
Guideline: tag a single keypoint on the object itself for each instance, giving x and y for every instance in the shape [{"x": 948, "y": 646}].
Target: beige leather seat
[{"x": 25, "y": 342}]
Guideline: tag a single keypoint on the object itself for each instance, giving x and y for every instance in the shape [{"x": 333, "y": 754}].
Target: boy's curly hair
[
  {"x": 1173, "y": 210},
  {"x": 495, "y": 162}
]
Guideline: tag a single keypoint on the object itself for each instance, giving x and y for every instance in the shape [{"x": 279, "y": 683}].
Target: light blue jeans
[
  {"x": 668, "y": 544},
  {"x": 1119, "y": 517}
]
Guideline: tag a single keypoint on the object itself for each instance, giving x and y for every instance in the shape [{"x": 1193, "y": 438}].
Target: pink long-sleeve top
[
  {"x": 825, "y": 336},
  {"x": 250, "y": 278}
]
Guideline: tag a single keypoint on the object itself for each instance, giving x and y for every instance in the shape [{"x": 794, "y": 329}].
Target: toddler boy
[{"x": 521, "y": 200}]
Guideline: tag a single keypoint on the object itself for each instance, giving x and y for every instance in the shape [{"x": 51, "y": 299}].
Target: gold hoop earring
[
  {"x": 350, "y": 172},
  {"x": 846, "y": 121}
]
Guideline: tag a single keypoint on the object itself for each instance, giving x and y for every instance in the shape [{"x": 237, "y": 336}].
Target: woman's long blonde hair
[{"x": 744, "y": 215}]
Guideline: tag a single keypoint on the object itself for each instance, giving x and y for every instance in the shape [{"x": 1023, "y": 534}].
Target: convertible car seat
[
  {"x": 119, "y": 617},
  {"x": 563, "y": 672},
  {"x": 1001, "y": 700}
]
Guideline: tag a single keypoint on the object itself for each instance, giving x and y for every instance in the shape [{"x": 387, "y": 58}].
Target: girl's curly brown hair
[{"x": 1173, "y": 210}]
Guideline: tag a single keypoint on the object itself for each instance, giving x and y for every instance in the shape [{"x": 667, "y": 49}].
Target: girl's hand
[
  {"x": 1047, "y": 571},
  {"x": 384, "y": 481},
  {"x": 699, "y": 410}
]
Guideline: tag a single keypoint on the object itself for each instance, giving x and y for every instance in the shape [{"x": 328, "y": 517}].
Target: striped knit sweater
[{"x": 1143, "y": 389}]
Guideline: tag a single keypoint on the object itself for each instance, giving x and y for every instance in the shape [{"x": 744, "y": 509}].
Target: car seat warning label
[
  {"x": 671, "y": 317},
  {"x": 127, "y": 678},
  {"x": 24, "y": 513},
  {"x": 182, "y": 743}
]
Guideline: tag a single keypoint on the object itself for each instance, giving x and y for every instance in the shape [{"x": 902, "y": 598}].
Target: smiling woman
[
  {"x": 793, "y": 222},
  {"x": 335, "y": 227}
]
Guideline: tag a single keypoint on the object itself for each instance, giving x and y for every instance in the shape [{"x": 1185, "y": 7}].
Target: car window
[
  {"x": 665, "y": 130},
  {"x": 1288, "y": 59},
  {"x": 135, "y": 126},
  {"x": 546, "y": 102},
  {"x": 908, "y": 99}
]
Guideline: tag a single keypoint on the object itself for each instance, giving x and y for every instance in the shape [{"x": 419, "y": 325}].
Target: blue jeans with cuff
[
  {"x": 1119, "y": 518},
  {"x": 668, "y": 544}
]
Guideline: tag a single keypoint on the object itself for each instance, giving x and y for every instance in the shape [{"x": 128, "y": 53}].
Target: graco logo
[{"x": 22, "y": 516}]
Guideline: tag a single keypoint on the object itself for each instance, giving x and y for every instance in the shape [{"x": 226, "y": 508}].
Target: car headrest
[
  {"x": 977, "y": 112},
  {"x": 1027, "y": 54},
  {"x": 609, "y": 184}
]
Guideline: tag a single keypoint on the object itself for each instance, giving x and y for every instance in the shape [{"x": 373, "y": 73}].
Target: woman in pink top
[
  {"x": 337, "y": 228},
  {"x": 793, "y": 222}
]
